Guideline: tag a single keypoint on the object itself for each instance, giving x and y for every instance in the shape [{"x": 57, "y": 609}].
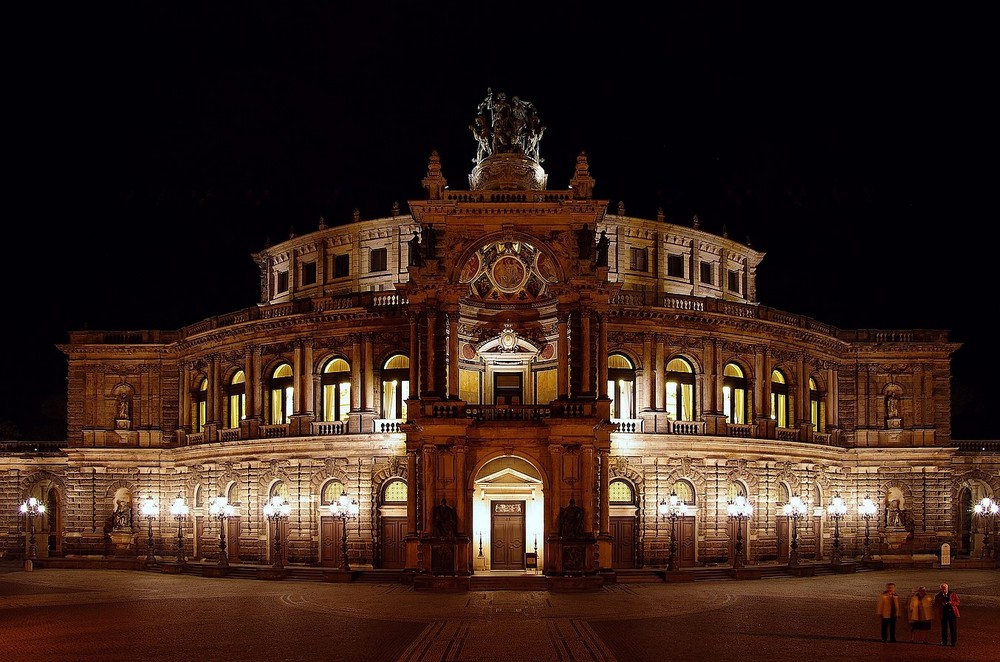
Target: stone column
[
  {"x": 414, "y": 357},
  {"x": 185, "y": 400},
  {"x": 661, "y": 387},
  {"x": 563, "y": 369},
  {"x": 602, "y": 357},
  {"x": 430, "y": 459},
  {"x": 431, "y": 358},
  {"x": 461, "y": 489},
  {"x": 648, "y": 374},
  {"x": 453, "y": 382},
  {"x": 357, "y": 365},
  {"x": 585, "y": 355},
  {"x": 368, "y": 376},
  {"x": 411, "y": 492}
]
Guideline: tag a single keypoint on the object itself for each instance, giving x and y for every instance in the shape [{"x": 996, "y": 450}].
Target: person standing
[
  {"x": 888, "y": 608},
  {"x": 946, "y": 607},
  {"x": 920, "y": 611}
]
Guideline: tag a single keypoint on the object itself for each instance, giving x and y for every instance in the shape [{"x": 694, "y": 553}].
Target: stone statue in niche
[
  {"x": 571, "y": 520},
  {"x": 892, "y": 405},
  {"x": 445, "y": 520},
  {"x": 123, "y": 514}
]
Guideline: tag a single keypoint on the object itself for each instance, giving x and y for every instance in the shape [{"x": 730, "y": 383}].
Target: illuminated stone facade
[{"x": 507, "y": 369}]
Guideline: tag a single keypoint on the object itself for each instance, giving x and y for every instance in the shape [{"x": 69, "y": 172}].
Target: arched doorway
[
  {"x": 507, "y": 515},
  {"x": 622, "y": 523}
]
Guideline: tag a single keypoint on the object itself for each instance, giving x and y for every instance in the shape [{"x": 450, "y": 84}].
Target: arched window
[
  {"x": 621, "y": 386},
  {"x": 735, "y": 404},
  {"x": 282, "y": 394},
  {"x": 684, "y": 491},
  {"x": 780, "y": 405},
  {"x": 817, "y": 408},
  {"x": 233, "y": 495},
  {"x": 680, "y": 390},
  {"x": 331, "y": 492},
  {"x": 237, "y": 393},
  {"x": 620, "y": 492},
  {"x": 279, "y": 489},
  {"x": 336, "y": 381},
  {"x": 200, "y": 406},
  {"x": 737, "y": 489},
  {"x": 395, "y": 491},
  {"x": 395, "y": 386}
]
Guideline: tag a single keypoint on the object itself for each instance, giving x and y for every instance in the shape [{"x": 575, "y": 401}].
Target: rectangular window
[
  {"x": 308, "y": 273},
  {"x": 282, "y": 284},
  {"x": 378, "y": 260},
  {"x": 734, "y": 281},
  {"x": 706, "y": 273},
  {"x": 342, "y": 266},
  {"x": 675, "y": 266},
  {"x": 638, "y": 262}
]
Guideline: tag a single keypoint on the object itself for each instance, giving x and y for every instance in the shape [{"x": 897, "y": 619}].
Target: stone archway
[{"x": 508, "y": 520}]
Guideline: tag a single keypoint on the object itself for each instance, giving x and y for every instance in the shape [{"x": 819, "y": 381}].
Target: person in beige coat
[
  {"x": 889, "y": 607},
  {"x": 920, "y": 613}
]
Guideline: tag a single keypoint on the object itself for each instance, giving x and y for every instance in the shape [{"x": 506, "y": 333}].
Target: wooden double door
[{"x": 507, "y": 535}]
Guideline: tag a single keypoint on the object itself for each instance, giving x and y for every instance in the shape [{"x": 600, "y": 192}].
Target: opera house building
[{"x": 504, "y": 377}]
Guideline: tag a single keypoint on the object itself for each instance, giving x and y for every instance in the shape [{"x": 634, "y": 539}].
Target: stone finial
[
  {"x": 725, "y": 231},
  {"x": 748, "y": 242},
  {"x": 291, "y": 232},
  {"x": 434, "y": 182},
  {"x": 356, "y": 216},
  {"x": 395, "y": 209},
  {"x": 659, "y": 214},
  {"x": 695, "y": 223},
  {"x": 582, "y": 183},
  {"x": 621, "y": 207},
  {"x": 322, "y": 223}
]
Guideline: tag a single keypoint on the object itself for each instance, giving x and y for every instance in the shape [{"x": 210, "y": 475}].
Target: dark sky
[{"x": 157, "y": 145}]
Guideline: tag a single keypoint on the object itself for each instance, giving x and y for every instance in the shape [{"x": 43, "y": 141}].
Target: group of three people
[{"x": 920, "y": 610}]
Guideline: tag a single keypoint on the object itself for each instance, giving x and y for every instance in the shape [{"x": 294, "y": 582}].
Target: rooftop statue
[{"x": 503, "y": 126}]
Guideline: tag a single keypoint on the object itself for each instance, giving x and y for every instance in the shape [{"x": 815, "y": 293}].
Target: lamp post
[
  {"x": 837, "y": 509},
  {"x": 276, "y": 510},
  {"x": 150, "y": 510},
  {"x": 31, "y": 509},
  {"x": 987, "y": 510},
  {"x": 794, "y": 510},
  {"x": 179, "y": 511},
  {"x": 345, "y": 508},
  {"x": 739, "y": 509},
  {"x": 867, "y": 509},
  {"x": 673, "y": 509},
  {"x": 221, "y": 509}
]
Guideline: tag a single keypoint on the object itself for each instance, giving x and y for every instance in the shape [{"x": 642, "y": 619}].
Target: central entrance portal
[
  {"x": 508, "y": 514},
  {"x": 507, "y": 536}
]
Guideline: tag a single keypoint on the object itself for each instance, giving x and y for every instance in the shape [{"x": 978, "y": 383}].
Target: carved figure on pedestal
[
  {"x": 571, "y": 520},
  {"x": 445, "y": 520}
]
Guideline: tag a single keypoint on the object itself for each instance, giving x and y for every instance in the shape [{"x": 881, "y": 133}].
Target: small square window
[
  {"x": 342, "y": 266},
  {"x": 378, "y": 260},
  {"x": 675, "y": 266},
  {"x": 308, "y": 273},
  {"x": 638, "y": 262},
  {"x": 734, "y": 281},
  {"x": 706, "y": 273},
  {"x": 282, "y": 282}
]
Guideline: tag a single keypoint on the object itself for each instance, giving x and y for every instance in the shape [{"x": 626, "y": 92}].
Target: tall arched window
[
  {"x": 735, "y": 404},
  {"x": 817, "y": 408},
  {"x": 199, "y": 416},
  {"x": 237, "y": 392},
  {"x": 780, "y": 405},
  {"x": 282, "y": 394},
  {"x": 621, "y": 386},
  {"x": 680, "y": 390},
  {"x": 336, "y": 381},
  {"x": 395, "y": 386}
]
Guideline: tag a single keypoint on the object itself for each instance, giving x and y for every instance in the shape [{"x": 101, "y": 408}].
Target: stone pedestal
[
  {"x": 271, "y": 573},
  {"x": 171, "y": 568},
  {"x": 845, "y": 568},
  {"x": 122, "y": 543},
  {"x": 339, "y": 576},
  {"x": 214, "y": 571}
]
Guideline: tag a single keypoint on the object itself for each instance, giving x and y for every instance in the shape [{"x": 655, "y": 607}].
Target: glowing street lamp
[
  {"x": 672, "y": 510},
  {"x": 795, "y": 510},
  {"x": 31, "y": 509},
  {"x": 276, "y": 510},
  {"x": 867, "y": 509},
  {"x": 221, "y": 509},
  {"x": 837, "y": 508},
  {"x": 987, "y": 510},
  {"x": 739, "y": 509},
  {"x": 150, "y": 510},
  {"x": 345, "y": 508},
  {"x": 179, "y": 511}
]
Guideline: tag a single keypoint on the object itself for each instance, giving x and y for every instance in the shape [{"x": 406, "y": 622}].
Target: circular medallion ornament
[{"x": 508, "y": 273}]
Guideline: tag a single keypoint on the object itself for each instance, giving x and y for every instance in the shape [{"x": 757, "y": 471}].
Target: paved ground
[{"x": 110, "y": 615}]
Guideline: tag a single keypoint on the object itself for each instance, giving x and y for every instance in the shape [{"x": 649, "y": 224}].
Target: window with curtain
[
  {"x": 621, "y": 386},
  {"x": 817, "y": 408},
  {"x": 282, "y": 394},
  {"x": 237, "y": 393},
  {"x": 780, "y": 405},
  {"x": 395, "y": 386},
  {"x": 735, "y": 404},
  {"x": 680, "y": 390},
  {"x": 336, "y": 390},
  {"x": 200, "y": 406}
]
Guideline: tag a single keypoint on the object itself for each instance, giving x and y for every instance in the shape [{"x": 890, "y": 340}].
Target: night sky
[{"x": 157, "y": 145}]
